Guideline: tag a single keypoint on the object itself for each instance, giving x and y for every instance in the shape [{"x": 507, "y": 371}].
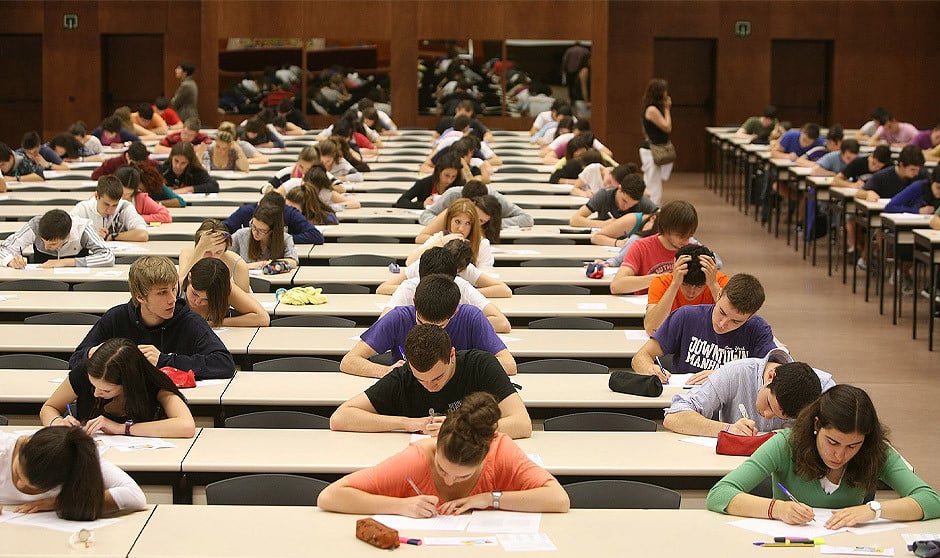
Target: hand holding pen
[
  {"x": 792, "y": 512},
  {"x": 435, "y": 421},
  {"x": 661, "y": 371},
  {"x": 18, "y": 261},
  {"x": 67, "y": 420},
  {"x": 420, "y": 505},
  {"x": 744, "y": 425}
]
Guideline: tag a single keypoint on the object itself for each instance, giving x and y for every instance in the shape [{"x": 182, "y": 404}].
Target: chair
[
  {"x": 265, "y": 490},
  {"x": 297, "y": 364},
  {"x": 387, "y": 219},
  {"x": 312, "y": 321},
  {"x": 4, "y": 421},
  {"x": 562, "y": 366},
  {"x": 110, "y": 286},
  {"x": 33, "y": 285},
  {"x": 362, "y": 260},
  {"x": 341, "y": 288},
  {"x": 259, "y": 285},
  {"x": 552, "y": 262},
  {"x": 599, "y": 422},
  {"x": 621, "y": 494},
  {"x": 127, "y": 260},
  {"x": 368, "y": 238},
  {"x": 551, "y": 290},
  {"x": 62, "y": 318},
  {"x": 278, "y": 419},
  {"x": 33, "y": 362},
  {"x": 174, "y": 236},
  {"x": 570, "y": 322},
  {"x": 550, "y": 221},
  {"x": 557, "y": 240}
]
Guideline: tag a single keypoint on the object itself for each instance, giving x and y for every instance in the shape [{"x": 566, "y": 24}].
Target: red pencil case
[{"x": 733, "y": 444}]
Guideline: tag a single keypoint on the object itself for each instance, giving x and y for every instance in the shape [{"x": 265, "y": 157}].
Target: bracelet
[{"x": 770, "y": 509}]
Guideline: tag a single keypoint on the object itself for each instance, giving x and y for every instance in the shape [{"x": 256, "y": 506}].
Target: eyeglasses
[{"x": 262, "y": 232}]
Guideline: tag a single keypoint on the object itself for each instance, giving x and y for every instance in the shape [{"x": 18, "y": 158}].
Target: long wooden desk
[
  {"x": 503, "y": 253},
  {"x": 92, "y": 302},
  {"x": 406, "y": 232}
]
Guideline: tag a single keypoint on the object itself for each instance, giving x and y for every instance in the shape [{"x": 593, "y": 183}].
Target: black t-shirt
[
  {"x": 857, "y": 169},
  {"x": 887, "y": 182},
  {"x": 399, "y": 393},
  {"x": 604, "y": 203},
  {"x": 571, "y": 169},
  {"x": 90, "y": 406},
  {"x": 476, "y": 127}
]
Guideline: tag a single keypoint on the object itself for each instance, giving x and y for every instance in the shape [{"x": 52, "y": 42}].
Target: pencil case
[
  {"x": 181, "y": 378},
  {"x": 733, "y": 444},
  {"x": 378, "y": 535}
]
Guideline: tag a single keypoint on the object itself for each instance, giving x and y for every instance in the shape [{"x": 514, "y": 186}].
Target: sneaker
[
  {"x": 861, "y": 264},
  {"x": 907, "y": 286}
]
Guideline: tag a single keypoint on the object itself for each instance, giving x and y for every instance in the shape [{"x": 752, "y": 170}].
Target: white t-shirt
[
  {"x": 471, "y": 273},
  {"x": 484, "y": 253},
  {"x": 542, "y": 119},
  {"x": 563, "y": 140},
  {"x": 593, "y": 177},
  {"x": 404, "y": 295}
]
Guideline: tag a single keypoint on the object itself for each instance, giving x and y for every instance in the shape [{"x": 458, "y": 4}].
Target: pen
[
  {"x": 743, "y": 410},
  {"x": 406, "y": 540},
  {"x": 414, "y": 486},
  {"x": 788, "y": 495},
  {"x": 431, "y": 414},
  {"x": 517, "y": 386},
  {"x": 802, "y": 540},
  {"x": 783, "y": 544},
  {"x": 68, "y": 410},
  {"x": 401, "y": 350},
  {"x": 662, "y": 369}
]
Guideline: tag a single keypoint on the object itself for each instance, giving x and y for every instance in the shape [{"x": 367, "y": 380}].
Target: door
[
  {"x": 20, "y": 99},
  {"x": 131, "y": 69},
  {"x": 689, "y": 67},
  {"x": 800, "y": 77}
]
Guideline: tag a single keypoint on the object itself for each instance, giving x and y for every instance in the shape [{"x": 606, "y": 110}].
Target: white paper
[
  {"x": 635, "y": 335},
  {"x": 608, "y": 271},
  {"x": 536, "y": 458},
  {"x": 51, "y": 174},
  {"x": 219, "y": 329},
  {"x": 69, "y": 271},
  {"x": 911, "y": 538},
  {"x": 704, "y": 441},
  {"x": 639, "y": 300},
  {"x": 33, "y": 267},
  {"x": 814, "y": 529},
  {"x": 213, "y": 382},
  {"x": 679, "y": 380},
  {"x": 255, "y": 272},
  {"x": 508, "y": 339},
  {"x": 436, "y": 523},
  {"x": 856, "y": 550},
  {"x": 131, "y": 443},
  {"x": 417, "y": 437},
  {"x": 49, "y": 520},
  {"x": 269, "y": 304},
  {"x": 523, "y": 542},
  {"x": 107, "y": 273},
  {"x": 592, "y": 306},
  {"x": 499, "y": 521},
  {"x": 459, "y": 541}
]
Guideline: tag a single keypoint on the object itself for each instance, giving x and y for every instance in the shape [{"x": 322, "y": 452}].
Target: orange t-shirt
[
  {"x": 661, "y": 283},
  {"x": 505, "y": 467}
]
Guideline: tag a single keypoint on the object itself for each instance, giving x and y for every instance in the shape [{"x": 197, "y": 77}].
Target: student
[
  {"x": 613, "y": 203},
  {"x": 893, "y": 133},
  {"x": 188, "y": 134},
  {"x": 648, "y": 257},
  {"x": 146, "y": 118},
  {"x": 694, "y": 279},
  {"x": 282, "y": 179},
  {"x": 835, "y": 454},
  {"x": 596, "y": 177},
  {"x": 186, "y": 98},
  {"x": 548, "y": 118},
  {"x": 58, "y": 469},
  {"x": 299, "y": 228},
  {"x": 256, "y": 133},
  {"x": 439, "y": 260},
  {"x": 466, "y": 108},
  {"x": 164, "y": 328},
  {"x": 577, "y": 158},
  {"x": 922, "y": 196},
  {"x": 148, "y": 209},
  {"x": 306, "y": 200},
  {"x": 333, "y": 161},
  {"x": 763, "y": 128},
  {"x": 226, "y": 154},
  {"x": 212, "y": 240},
  {"x": 437, "y": 301},
  {"x": 657, "y": 125},
  {"x": 463, "y": 219},
  {"x": 136, "y": 151},
  {"x": 426, "y": 190},
  {"x": 185, "y": 174},
  {"x": 161, "y": 106},
  {"x": 44, "y": 156},
  {"x": 701, "y": 338},
  {"x": 18, "y": 166},
  {"x": 91, "y": 145},
  {"x": 485, "y": 283},
  {"x": 112, "y": 216},
  {"x": 773, "y": 390},
  {"x": 254, "y": 156},
  {"x": 124, "y": 113},
  {"x": 290, "y": 113},
  {"x": 512, "y": 215},
  {"x": 265, "y": 239},
  {"x": 435, "y": 376},
  {"x": 209, "y": 292},
  {"x": 796, "y": 143},
  {"x": 856, "y": 173},
  {"x": 929, "y": 142},
  {"x": 834, "y": 162},
  {"x": 57, "y": 240},
  {"x": 112, "y": 132},
  {"x": 833, "y": 144},
  {"x": 888, "y": 182},
  {"x": 118, "y": 391}
]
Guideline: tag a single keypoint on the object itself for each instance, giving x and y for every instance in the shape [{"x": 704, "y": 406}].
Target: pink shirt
[
  {"x": 648, "y": 256},
  {"x": 150, "y": 210},
  {"x": 906, "y": 132}
]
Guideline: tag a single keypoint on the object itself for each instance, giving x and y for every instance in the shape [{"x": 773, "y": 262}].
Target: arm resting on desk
[
  {"x": 356, "y": 362},
  {"x": 514, "y": 418},
  {"x": 358, "y": 415},
  {"x": 508, "y": 361}
]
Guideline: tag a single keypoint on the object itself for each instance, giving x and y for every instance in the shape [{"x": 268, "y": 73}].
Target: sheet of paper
[
  {"x": 436, "y": 523},
  {"x": 639, "y": 300},
  {"x": 524, "y": 542},
  {"x": 219, "y": 329},
  {"x": 592, "y": 306},
  {"x": 537, "y": 459},
  {"x": 498, "y": 521},
  {"x": 459, "y": 541},
  {"x": 679, "y": 380},
  {"x": 51, "y": 174},
  {"x": 55, "y": 380},
  {"x": 704, "y": 441},
  {"x": 417, "y": 437},
  {"x": 856, "y": 550},
  {"x": 876, "y": 526},
  {"x": 507, "y": 338},
  {"x": 214, "y": 382},
  {"x": 773, "y": 528},
  {"x": 131, "y": 443},
  {"x": 608, "y": 271},
  {"x": 635, "y": 335},
  {"x": 49, "y": 520},
  {"x": 33, "y": 267},
  {"x": 69, "y": 271},
  {"x": 110, "y": 273}
]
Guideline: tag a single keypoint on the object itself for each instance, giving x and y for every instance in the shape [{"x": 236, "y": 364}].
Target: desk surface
[
  {"x": 41, "y": 338},
  {"x": 408, "y": 231},
  {"x": 512, "y": 276},
  {"x": 92, "y": 302},
  {"x": 503, "y": 252}
]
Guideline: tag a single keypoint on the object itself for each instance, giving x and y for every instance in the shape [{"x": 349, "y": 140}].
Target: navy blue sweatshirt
[{"x": 300, "y": 229}]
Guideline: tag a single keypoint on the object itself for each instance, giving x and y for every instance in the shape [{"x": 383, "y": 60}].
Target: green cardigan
[{"x": 774, "y": 459}]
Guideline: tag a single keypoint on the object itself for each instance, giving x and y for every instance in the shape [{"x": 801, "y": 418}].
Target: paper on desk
[
  {"x": 34, "y": 267},
  {"x": 536, "y": 458},
  {"x": 69, "y": 271},
  {"x": 635, "y": 335},
  {"x": 120, "y": 246},
  {"x": 499, "y": 521},
  {"x": 816, "y": 528},
  {"x": 111, "y": 273},
  {"x": 507, "y": 338},
  {"x": 49, "y": 520},
  {"x": 219, "y": 329},
  {"x": 51, "y": 174},
  {"x": 436, "y": 523},
  {"x": 639, "y": 300},
  {"x": 55, "y": 380},
  {"x": 521, "y": 251},
  {"x": 679, "y": 380},
  {"x": 522, "y": 542},
  {"x": 856, "y": 550},
  {"x": 610, "y": 271},
  {"x": 417, "y": 437},
  {"x": 459, "y": 541},
  {"x": 911, "y": 538},
  {"x": 592, "y": 306},
  {"x": 131, "y": 443},
  {"x": 213, "y": 382},
  {"x": 704, "y": 441}
]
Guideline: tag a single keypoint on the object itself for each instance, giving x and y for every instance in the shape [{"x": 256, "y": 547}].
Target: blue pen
[
  {"x": 401, "y": 350},
  {"x": 788, "y": 495},
  {"x": 68, "y": 410}
]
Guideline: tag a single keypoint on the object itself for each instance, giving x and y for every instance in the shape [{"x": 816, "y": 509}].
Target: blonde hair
[
  {"x": 464, "y": 206},
  {"x": 148, "y": 272}
]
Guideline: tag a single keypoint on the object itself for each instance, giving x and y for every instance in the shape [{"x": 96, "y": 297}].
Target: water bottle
[{"x": 206, "y": 159}]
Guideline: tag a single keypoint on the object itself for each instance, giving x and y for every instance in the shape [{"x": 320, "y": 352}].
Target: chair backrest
[
  {"x": 621, "y": 494},
  {"x": 370, "y": 238},
  {"x": 173, "y": 237},
  {"x": 278, "y": 419},
  {"x": 33, "y": 285},
  {"x": 259, "y": 285},
  {"x": 297, "y": 364},
  {"x": 110, "y": 286},
  {"x": 557, "y": 240},
  {"x": 550, "y": 221},
  {"x": 361, "y": 259},
  {"x": 312, "y": 321},
  {"x": 341, "y": 288},
  {"x": 387, "y": 219},
  {"x": 265, "y": 490},
  {"x": 62, "y": 318},
  {"x": 127, "y": 260},
  {"x": 551, "y": 290},
  {"x": 570, "y": 322},
  {"x": 4, "y": 421},
  {"x": 33, "y": 362},
  {"x": 552, "y": 262},
  {"x": 562, "y": 366},
  {"x": 600, "y": 422}
]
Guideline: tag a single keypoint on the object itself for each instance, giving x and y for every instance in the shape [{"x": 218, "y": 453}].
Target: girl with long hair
[
  {"x": 209, "y": 292},
  {"x": 212, "y": 240},
  {"x": 265, "y": 239},
  {"x": 463, "y": 220}
]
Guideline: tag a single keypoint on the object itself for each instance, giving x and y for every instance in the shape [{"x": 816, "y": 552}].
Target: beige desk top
[
  {"x": 543, "y": 200},
  {"x": 503, "y": 252},
  {"x": 69, "y": 301},
  {"x": 543, "y": 343},
  {"x": 328, "y": 389},
  {"x": 408, "y": 231},
  {"x": 69, "y": 275},
  {"x": 17, "y": 338},
  {"x": 512, "y": 276},
  {"x": 206, "y": 531},
  {"x": 412, "y": 214}
]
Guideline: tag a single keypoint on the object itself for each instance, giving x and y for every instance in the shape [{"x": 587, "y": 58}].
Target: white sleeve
[
  {"x": 290, "y": 251},
  {"x": 133, "y": 219},
  {"x": 598, "y": 145},
  {"x": 469, "y": 295},
  {"x": 14, "y": 244},
  {"x": 560, "y": 140},
  {"x": 471, "y": 274},
  {"x": 125, "y": 492},
  {"x": 404, "y": 295},
  {"x": 411, "y": 271},
  {"x": 485, "y": 254}
]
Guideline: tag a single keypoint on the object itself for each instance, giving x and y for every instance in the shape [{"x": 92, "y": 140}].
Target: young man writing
[
  {"x": 835, "y": 162},
  {"x": 112, "y": 216},
  {"x": 417, "y": 395},
  {"x": 57, "y": 240},
  {"x": 18, "y": 166},
  {"x": 190, "y": 132},
  {"x": 695, "y": 279},
  {"x": 625, "y": 195},
  {"x": 437, "y": 301},
  {"x": 888, "y": 182},
  {"x": 162, "y": 325},
  {"x": 773, "y": 389}
]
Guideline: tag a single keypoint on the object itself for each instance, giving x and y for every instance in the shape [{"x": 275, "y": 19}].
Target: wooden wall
[{"x": 884, "y": 51}]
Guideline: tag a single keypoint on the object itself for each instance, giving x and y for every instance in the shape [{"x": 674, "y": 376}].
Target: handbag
[
  {"x": 733, "y": 444},
  {"x": 181, "y": 378},
  {"x": 663, "y": 153}
]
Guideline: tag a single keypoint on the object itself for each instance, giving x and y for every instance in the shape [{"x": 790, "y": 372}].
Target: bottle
[{"x": 206, "y": 159}]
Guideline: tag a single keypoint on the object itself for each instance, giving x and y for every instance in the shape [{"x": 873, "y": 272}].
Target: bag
[
  {"x": 663, "y": 154},
  {"x": 733, "y": 444},
  {"x": 181, "y": 378},
  {"x": 378, "y": 535},
  {"x": 622, "y": 381},
  {"x": 275, "y": 267},
  {"x": 925, "y": 548}
]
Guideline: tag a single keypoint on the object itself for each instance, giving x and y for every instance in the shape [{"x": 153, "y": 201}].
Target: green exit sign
[
  {"x": 70, "y": 21},
  {"x": 742, "y": 29}
]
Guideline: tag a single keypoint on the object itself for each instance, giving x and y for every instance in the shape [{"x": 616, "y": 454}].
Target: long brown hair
[
  {"x": 151, "y": 181},
  {"x": 466, "y": 435},
  {"x": 272, "y": 216},
  {"x": 655, "y": 93},
  {"x": 307, "y": 196},
  {"x": 212, "y": 276},
  {"x": 67, "y": 458},
  {"x": 464, "y": 206}
]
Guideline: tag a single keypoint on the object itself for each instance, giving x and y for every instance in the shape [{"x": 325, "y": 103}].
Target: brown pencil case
[{"x": 378, "y": 535}]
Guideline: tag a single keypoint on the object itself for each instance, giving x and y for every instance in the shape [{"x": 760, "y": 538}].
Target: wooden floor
[{"x": 825, "y": 325}]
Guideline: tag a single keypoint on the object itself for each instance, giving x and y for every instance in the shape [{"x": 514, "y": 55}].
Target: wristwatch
[
  {"x": 875, "y": 506},
  {"x": 497, "y": 494},
  {"x": 127, "y": 428}
]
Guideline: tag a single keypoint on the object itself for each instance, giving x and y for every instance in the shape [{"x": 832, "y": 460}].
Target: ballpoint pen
[
  {"x": 743, "y": 410},
  {"x": 662, "y": 369},
  {"x": 790, "y": 496}
]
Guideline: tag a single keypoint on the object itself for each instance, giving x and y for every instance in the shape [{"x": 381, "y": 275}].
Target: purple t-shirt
[
  {"x": 468, "y": 329},
  {"x": 790, "y": 142},
  {"x": 921, "y": 139},
  {"x": 688, "y": 335}
]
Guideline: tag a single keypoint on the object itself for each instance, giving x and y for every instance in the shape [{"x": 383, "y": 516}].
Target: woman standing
[{"x": 657, "y": 125}]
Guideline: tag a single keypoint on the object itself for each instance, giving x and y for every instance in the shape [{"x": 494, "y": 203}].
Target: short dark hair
[
  {"x": 285, "y": 106},
  {"x": 192, "y": 123},
  {"x": 811, "y": 130},
  {"x": 137, "y": 152},
  {"x": 880, "y": 115},
  {"x": 462, "y": 252},
  {"x": 582, "y": 125},
  {"x": 461, "y": 122},
  {"x": 55, "y": 225},
  {"x": 678, "y": 216},
  {"x": 188, "y": 68},
  {"x": 745, "y": 293},
  {"x": 437, "y": 260},
  {"x": 466, "y": 104},
  {"x": 426, "y": 345},
  {"x": 273, "y": 198},
  {"x": 31, "y": 140},
  {"x": 695, "y": 276},
  {"x": 112, "y": 124},
  {"x": 436, "y": 298},
  {"x": 882, "y": 153},
  {"x": 631, "y": 183},
  {"x": 5, "y": 152},
  {"x": 835, "y": 133},
  {"x": 849, "y": 146},
  {"x": 109, "y": 186},
  {"x": 795, "y": 385},
  {"x": 911, "y": 155},
  {"x": 78, "y": 128},
  {"x": 935, "y": 176},
  {"x": 473, "y": 189},
  {"x": 145, "y": 111},
  {"x": 770, "y": 111},
  {"x": 161, "y": 103}
]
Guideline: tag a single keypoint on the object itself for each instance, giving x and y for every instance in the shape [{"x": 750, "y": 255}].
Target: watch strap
[{"x": 127, "y": 428}]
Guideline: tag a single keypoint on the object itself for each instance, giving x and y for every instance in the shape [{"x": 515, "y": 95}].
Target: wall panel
[
  {"x": 540, "y": 19},
  {"x": 71, "y": 67}
]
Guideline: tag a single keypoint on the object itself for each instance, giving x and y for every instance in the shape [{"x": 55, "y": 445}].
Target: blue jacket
[
  {"x": 912, "y": 198},
  {"x": 300, "y": 229}
]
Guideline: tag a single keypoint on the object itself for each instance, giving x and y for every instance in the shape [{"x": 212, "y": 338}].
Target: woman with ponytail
[
  {"x": 468, "y": 466},
  {"x": 59, "y": 469}
]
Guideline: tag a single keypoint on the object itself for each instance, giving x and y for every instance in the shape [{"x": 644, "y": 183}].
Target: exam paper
[
  {"x": 679, "y": 380},
  {"x": 34, "y": 267},
  {"x": 69, "y": 271},
  {"x": 522, "y": 542},
  {"x": 498, "y": 521},
  {"x": 536, "y": 458},
  {"x": 49, "y": 520},
  {"x": 459, "y": 541},
  {"x": 856, "y": 550},
  {"x": 110, "y": 273},
  {"x": 639, "y": 300},
  {"x": 705, "y": 441},
  {"x": 131, "y": 443},
  {"x": 635, "y": 335},
  {"x": 815, "y": 529},
  {"x": 436, "y": 523},
  {"x": 507, "y": 338}
]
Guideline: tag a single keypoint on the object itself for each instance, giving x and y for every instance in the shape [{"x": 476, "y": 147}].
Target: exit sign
[
  {"x": 70, "y": 21},
  {"x": 742, "y": 29}
]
